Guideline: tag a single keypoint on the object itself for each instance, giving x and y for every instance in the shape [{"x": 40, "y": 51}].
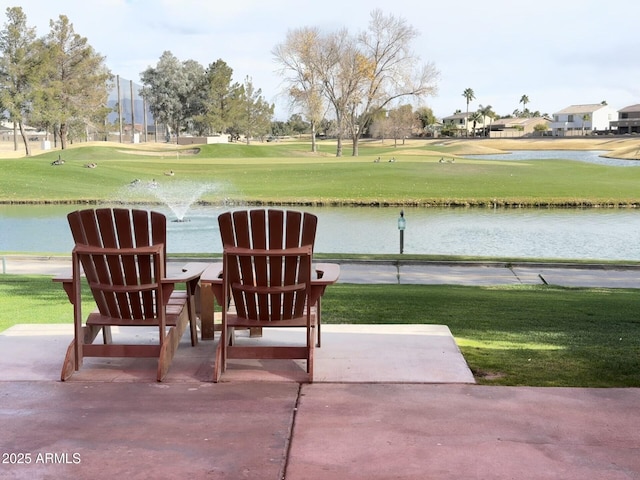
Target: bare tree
[
  {"x": 357, "y": 75},
  {"x": 297, "y": 56},
  {"x": 389, "y": 70},
  {"x": 340, "y": 71},
  {"x": 402, "y": 122}
]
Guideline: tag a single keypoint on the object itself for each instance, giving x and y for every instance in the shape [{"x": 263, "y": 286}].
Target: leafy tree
[
  {"x": 19, "y": 70},
  {"x": 297, "y": 125},
  {"x": 193, "y": 95},
  {"x": 220, "y": 105},
  {"x": 540, "y": 128},
  {"x": 164, "y": 88},
  {"x": 255, "y": 113},
  {"x": 469, "y": 95},
  {"x": 426, "y": 117},
  {"x": 585, "y": 118},
  {"x": 78, "y": 80},
  {"x": 280, "y": 128}
]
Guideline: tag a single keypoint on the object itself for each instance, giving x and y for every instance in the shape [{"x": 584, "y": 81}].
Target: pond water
[
  {"x": 589, "y": 156},
  {"x": 605, "y": 234}
]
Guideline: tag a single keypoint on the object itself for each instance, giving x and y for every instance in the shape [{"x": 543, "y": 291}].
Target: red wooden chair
[
  {"x": 266, "y": 282},
  {"x": 122, "y": 255}
]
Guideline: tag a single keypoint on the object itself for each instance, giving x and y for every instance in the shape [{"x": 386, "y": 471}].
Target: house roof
[
  {"x": 578, "y": 109},
  {"x": 631, "y": 108},
  {"x": 457, "y": 115}
]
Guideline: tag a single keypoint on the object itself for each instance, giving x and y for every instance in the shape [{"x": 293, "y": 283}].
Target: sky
[{"x": 557, "y": 53}]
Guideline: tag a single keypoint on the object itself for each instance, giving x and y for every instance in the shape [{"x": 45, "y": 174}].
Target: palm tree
[
  {"x": 469, "y": 95},
  {"x": 476, "y": 117},
  {"x": 524, "y": 100},
  {"x": 486, "y": 112}
]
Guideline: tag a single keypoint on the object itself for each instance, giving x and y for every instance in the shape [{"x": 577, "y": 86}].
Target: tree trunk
[
  {"x": 314, "y": 145},
  {"x": 338, "y": 133},
  {"x": 63, "y": 136},
  {"x": 27, "y": 147},
  {"x": 356, "y": 144}
]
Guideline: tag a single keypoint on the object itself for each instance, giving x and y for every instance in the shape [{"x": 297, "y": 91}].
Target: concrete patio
[{"x": 388, "y": 402}]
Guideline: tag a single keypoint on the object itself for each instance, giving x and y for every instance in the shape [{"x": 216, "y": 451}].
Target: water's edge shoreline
[{"x": 337, "y": 203}]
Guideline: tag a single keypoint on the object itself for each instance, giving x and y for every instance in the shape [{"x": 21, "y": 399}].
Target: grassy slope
[{"x": 288, "y": 173}]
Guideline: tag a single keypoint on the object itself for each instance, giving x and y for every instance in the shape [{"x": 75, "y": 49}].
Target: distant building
[
  {"x": 517, "y": 127},
  {"x": 578, "y": 120},
  {"x": 628, "y": 120},
  {"x": 459, "y": 124}
]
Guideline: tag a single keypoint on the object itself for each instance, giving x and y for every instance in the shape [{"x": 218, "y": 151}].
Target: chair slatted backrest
[
  {"x": 267, "y": 284},
  {"x": 123, "y": 292},
  {"x": 121, "y": 229}
]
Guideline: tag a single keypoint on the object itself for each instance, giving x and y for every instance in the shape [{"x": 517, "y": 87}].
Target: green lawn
[
  {"x": 525, "y": 335},
  {"x": 287, "y": 173}
]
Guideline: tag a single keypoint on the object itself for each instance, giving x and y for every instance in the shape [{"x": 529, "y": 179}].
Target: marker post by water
[{"x": 402, "y": 224}]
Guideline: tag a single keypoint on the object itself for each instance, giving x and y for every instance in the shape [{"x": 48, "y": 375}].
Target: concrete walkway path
[{"x": 459, "y": 273}]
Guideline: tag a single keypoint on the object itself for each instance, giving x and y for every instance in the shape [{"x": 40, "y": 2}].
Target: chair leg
[
  {"x": 318, "y": 323},
  {"x": 170, "y": 345},
  {"x": 310, "y": 345},
  {"x": 106, "y": 335},
  {"x": 69, "y": 366},
  {"x": 217, "y": 368},
  {"x": 191, "y": 308},
  {"x": 167, "y": 351},
  {"x": 221, "y": 354}
]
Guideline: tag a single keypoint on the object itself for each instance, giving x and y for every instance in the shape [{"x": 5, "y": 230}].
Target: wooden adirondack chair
[
  {"x": 266, "y": 282},
  {"x": 123, "y": 258}
]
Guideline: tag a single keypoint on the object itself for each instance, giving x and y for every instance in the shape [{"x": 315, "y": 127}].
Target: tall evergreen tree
[
  {"x": 19, "y": 70},
  {"x": 79, "y": 80}
]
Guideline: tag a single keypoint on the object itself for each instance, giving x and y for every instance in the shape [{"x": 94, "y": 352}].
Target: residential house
[
  {"x": 459, "y": 124},
  {"x": 628, "y": 120},
  {"x": 517, "y": 127},
  {"x": 582, "y": 119}
]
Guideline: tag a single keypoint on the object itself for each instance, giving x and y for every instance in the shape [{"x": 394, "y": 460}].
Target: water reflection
[{"x": 605, "y": 234}]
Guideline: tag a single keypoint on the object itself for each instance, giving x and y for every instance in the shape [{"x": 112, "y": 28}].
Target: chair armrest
[
  {"x": 326, "y": 273},
  {"x": 63, "y": 277},
  {"x": 66, "y": 279},
  {"x": 212, "y": 274},
  {"x": 186, "y": 273}
]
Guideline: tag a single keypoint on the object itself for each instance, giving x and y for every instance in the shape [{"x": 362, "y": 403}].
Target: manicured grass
[
  {"x": 288, "y": 174},
  {"x": 525, "y": 335}
]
